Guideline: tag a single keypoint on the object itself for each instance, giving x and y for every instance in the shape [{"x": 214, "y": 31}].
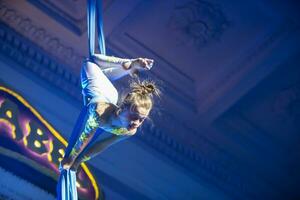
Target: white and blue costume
[{"x": 96, "y": 76}]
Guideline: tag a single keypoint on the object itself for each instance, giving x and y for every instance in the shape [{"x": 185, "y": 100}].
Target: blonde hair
[{"x": 141, "y": 94}]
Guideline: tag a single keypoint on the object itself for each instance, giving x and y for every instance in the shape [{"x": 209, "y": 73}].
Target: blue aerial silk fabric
[
  {"x": 66, "y": 187},
  {"x": 91, "y": 19}
]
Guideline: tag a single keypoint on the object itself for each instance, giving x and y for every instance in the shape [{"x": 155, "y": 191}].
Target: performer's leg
[
  {"x": 78, "y": 142},
  {"x": 114, "y": 68},
  {"x": 95, "y": 84}
]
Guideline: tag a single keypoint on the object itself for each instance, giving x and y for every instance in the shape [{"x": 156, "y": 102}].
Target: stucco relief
[
  {"x": 40, "y": 36},
  {"x": 198, "y": 22},
  {"x": 21, "y": 51}
]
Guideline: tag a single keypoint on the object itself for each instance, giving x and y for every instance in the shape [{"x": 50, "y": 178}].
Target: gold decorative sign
[{"x": 28, "y": 138}]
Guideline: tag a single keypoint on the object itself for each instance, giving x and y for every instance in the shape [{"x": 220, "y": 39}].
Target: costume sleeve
[{"x": 111, "y": 66}]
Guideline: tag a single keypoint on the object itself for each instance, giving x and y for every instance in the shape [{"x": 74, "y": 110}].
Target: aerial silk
[{"x": 66, "y": 187}]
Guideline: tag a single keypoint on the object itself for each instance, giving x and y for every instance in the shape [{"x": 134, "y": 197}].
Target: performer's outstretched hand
[
  {"x": 142, "y": 63},
  {"x": 139, "y": 64}
]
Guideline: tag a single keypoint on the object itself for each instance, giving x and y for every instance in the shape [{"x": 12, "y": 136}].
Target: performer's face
[{"x": 133, "y": 117}]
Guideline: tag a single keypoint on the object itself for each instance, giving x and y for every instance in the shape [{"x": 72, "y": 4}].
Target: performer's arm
[
  {"x": 90, "y": 127},
  {"x": 96, "y": 149},
  {"x": 115, "y": 68},
  {"x": 87, "y": 134}
]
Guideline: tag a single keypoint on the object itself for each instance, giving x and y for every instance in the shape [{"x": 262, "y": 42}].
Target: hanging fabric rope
[
  {"x": 66, "y": 187},
  {"x": 94, "y": 10},
  {"x": 97, "y": 73},
  {"x": 101, "y": 40}
]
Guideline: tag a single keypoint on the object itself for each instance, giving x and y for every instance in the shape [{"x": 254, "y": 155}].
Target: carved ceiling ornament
[
  {"x": 40, "y": 36},
  {"x": 198, "y": 22}
]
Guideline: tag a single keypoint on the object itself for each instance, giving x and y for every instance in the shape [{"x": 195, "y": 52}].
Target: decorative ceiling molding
[
  {"x": 51, "y": 44},
  {"x": 241, "y": 67},
  {"x": 24, "y": 52},
  {"x": 65, "y": 15},
  {"x": 198, "y": 22},
  {"x": 70, "y": 13}
]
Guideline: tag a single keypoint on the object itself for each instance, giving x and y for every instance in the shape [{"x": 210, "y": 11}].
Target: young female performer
[{"x": 102, "y": 115}]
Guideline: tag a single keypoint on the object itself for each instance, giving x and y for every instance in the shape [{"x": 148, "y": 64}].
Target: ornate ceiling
[{"x": 227, "y": 112}]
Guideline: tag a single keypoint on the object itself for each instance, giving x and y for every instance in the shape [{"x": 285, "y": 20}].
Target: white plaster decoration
[
  {"x": 197, "y": 22},
  {"x": 52, "y": 44}
]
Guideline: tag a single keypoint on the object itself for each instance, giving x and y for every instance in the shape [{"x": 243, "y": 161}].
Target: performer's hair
[{"x": 141, "y": 94}]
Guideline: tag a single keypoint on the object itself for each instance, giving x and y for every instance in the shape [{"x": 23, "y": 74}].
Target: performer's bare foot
[
  {"x": 75, "y": 166},
  {"x": 67, "y": 163}
]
